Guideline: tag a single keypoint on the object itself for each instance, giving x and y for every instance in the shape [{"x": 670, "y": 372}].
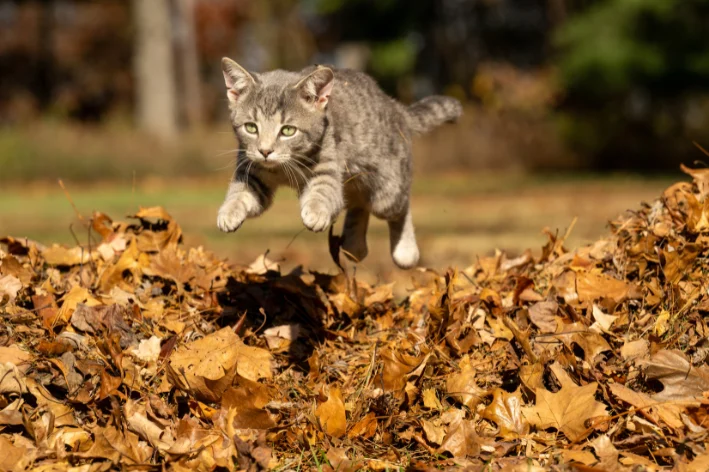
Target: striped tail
[{"x": 431, "y": 112}]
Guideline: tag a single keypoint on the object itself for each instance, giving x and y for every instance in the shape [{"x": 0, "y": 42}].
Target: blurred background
[{"x": 573, "y": 108}]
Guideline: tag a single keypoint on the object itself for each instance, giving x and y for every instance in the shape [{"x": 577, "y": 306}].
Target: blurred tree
[
  {"x": 635, "y": 72},
  {"x": 188, "y": 59},
  {"x": 156, "y": 101}
]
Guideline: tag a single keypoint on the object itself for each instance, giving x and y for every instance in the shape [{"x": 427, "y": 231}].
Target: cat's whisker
[
  {"x": 285, "y": 171},
  {"x": 303, "y": 166},
  {"x": 304, "y": 157},
  {"x": 292, "y": 170}
]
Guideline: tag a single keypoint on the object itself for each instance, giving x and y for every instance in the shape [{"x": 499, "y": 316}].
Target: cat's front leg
[
  {"x": 323, "y": 199},
  {"x": 244, "y": 199}
]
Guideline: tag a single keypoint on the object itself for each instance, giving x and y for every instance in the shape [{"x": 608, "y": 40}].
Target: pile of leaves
[{"x": 132, "y": 351}]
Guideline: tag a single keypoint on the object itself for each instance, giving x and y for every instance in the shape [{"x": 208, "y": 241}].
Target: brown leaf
[
  {"x": 462, "y": 386},
  {"x": 543, "y": 316},
  {"x": 47, "y": 308},
  {"x": 461, "y": 440},
  {"x": 9, "y": 288},
  {"x": 208, "y": 366},
  {"x": 396, "y": 366},
  {"x": 592, "y": 286},
  {"x": 681, "y": 380},
  {"x": 16, "y": 356},
  {"x": 435, "y": 433},
  {"x": 12, "y": 456},
  {"x": 649, "y": 408},
  {"x": 505, "y": 410},
  {"x": 364, "y": 428},
  {"x": 566, "y": 410},
  {"x": 331, "y": 414}
]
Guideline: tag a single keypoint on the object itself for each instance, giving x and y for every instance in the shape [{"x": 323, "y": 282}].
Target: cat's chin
[{"x": 269, "y": 165}]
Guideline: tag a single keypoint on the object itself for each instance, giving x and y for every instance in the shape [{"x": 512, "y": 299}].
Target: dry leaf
[
  {"x": 462, "y": 386},
  {"x": 9, "y": 288},
  {"x": 331, "y": 414},
  {"x": 505, "y": 411},
  {"x": 566, "y": 410},
  {"x": 543, "y": 316},
  {"x": 364, "y": 428},
  {"x": 681, "y": 381},
  {"x": 208, "y": 366},
  {"x": 434, "y": 433}
]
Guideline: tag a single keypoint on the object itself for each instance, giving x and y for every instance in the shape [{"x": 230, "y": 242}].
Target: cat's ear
[
  {"x": 237, "y": 79},
  {"x": 317, "y": 86}
]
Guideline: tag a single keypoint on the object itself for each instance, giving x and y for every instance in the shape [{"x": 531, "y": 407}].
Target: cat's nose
[{"x": 265, "y": 152}]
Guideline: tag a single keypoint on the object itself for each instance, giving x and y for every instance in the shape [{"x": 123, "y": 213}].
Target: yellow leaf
[
  {"x": 505, "y": 410},
  {"x": 430, "y": 399},
  {"x": 331, "y": 414}
]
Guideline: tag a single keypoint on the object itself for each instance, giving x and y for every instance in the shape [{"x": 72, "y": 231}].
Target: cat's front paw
[
  {"x": 230, "y": 217},
  {"x": 316, "y": 216}
]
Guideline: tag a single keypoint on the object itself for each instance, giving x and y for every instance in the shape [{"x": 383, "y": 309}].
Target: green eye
[
  {"x": 251, "y": 128},
  {"x": 288, "y": 130}
]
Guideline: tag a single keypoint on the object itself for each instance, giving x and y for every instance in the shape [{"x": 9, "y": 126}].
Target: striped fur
[
  {"x": 351, "y": 149},
  {"x": 431, "y": 112}
]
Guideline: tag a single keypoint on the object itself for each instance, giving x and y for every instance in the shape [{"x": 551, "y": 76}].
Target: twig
[
  {"x": 71, "y": 202},
  {"x": 521, "y": 338}
]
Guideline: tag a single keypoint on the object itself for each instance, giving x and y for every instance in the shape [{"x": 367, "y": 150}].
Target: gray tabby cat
[{"x": 336, "y": 138}]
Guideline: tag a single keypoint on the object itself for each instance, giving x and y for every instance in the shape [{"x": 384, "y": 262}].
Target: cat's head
[{"x": 277, "y": 116}]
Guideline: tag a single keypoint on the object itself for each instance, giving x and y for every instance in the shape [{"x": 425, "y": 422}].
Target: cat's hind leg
[
  {"x": 354, "y": 234},
  {"x": 404, "y": 249}
]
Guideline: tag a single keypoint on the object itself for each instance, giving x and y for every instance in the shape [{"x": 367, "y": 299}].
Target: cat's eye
[
  {"x": 251, "y": 128},
  {"x": 288, "y": 130}
]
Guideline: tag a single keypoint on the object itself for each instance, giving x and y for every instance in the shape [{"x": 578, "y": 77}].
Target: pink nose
[{"x": 266, "y": 152}]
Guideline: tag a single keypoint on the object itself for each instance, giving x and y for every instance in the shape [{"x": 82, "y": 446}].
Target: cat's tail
[{"x": 431, "y": 112}]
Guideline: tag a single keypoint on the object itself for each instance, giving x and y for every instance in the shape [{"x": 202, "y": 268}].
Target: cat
[{"x": 336, "y": 138}]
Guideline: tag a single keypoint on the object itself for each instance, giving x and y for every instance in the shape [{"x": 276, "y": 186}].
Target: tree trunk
[
  {"x": 188, "y": 58},
  {"x": 156, "y": 101}
]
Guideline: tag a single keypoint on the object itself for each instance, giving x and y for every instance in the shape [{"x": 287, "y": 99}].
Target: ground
[
  {"x": 457, "y": 217},
  {"x": 138, "y": 350}
]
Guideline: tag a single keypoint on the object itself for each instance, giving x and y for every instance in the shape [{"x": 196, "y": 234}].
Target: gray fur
[{"x": 351, "y": 150}]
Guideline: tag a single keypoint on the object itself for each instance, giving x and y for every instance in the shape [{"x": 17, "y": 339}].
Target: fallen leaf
[
  {"x": 566, "y": 410},
  {"x": 430, "y": 399},
  {"x": 505, "y": 410},
  {"x": 543, "y": 316},
  {"x": 364, "y": 428},
  {"x": 651, "y": 409},
  {"x": 680, "y": 379},
  {"x": 9, "y": 288},
  {"x": 461, "y": 440},
  {"x": 434, "y": 433},
  {"x": 462, "y": 386},
  {"x": 331, "y": 414},
  {"x": 603, "y": 321},
  {"x": 634, "y": 349},
  {"x": 208, "y": 366}
]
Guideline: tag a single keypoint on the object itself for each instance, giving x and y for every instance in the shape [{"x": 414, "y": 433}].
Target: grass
[{"x": 458, "y": 218}]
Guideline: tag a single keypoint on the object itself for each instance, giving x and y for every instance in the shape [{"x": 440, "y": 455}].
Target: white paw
[
  {"x": 315, "y": 216},
  {"x": 230, "y": 217},
  {"x": 406, "y": 254}
]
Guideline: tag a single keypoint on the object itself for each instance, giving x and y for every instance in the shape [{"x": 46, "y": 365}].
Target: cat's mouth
[{"x": 269, "y": 163}]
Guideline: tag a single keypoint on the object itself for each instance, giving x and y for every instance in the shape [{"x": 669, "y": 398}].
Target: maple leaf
[{"x": 566, "y": 410}]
